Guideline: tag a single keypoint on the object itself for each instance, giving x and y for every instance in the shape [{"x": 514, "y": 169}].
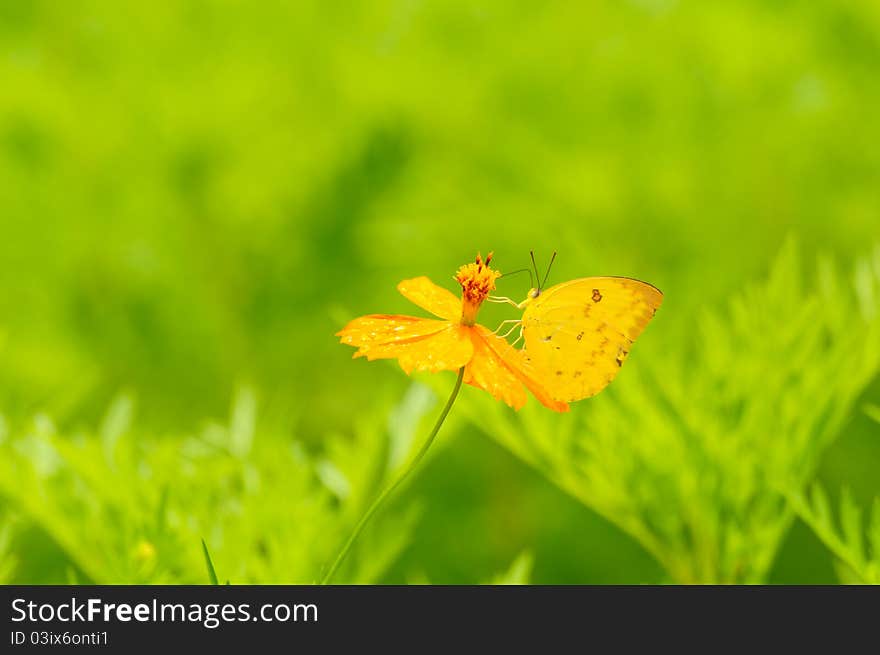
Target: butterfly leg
[
  {"x": 502, "y": 299},
  {"x": 515, "y": 321},
  {"x": 518, "y": 339},
  {"x": 507, "y": 334}
]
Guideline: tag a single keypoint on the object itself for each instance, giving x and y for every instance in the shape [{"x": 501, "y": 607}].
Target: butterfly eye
[{"x": 534, "y": 293}]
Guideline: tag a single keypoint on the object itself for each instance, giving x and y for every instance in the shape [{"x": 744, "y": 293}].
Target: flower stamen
[{"x": 477, "y": 280}]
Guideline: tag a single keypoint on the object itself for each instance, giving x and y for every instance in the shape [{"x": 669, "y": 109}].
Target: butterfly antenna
[
  {"x": 535, "y": 266},
  {"x": 549, "y": 266},
  {"x": 521, "y": 270}
]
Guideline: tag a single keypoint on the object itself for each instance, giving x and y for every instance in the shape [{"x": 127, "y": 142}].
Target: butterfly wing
[{"x": 578, "y": 333}]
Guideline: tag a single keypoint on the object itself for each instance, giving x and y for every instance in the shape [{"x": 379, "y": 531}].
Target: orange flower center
[{"x": 477, "y": 280}]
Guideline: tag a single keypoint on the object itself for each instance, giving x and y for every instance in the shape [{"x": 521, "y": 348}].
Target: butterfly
[{"x": 578, "y": 333}]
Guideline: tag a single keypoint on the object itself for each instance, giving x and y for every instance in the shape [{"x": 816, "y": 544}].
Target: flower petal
[
  {"x": 419, "y": 344},
  {"x": 502, "y": 370},
  {"x": 435, "y": 299},
  {"x": 487, "y": 371}
]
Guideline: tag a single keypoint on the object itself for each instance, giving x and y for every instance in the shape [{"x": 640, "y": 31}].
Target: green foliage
[
  {"x": 7, "y": 558},
  {"x": 212, "y": 574},
  {"x": 194, "y": 196},
  {"x": 687, "y": 449},
  {"x": 122, "y": 506},
  {"x": 857, "y": 547},
  {"x": 519, "y": 572}
]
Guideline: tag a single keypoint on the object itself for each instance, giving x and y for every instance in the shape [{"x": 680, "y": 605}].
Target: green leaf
[
  {"x": 821, "y": 506},
  {"x": 848, "y": 545},
  {"x": 519, "y": 572},
  {"x": 851, "y": 524},
  {"x": 212, "y": 575}
]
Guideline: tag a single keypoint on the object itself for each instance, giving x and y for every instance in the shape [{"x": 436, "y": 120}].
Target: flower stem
[{"x": 396, "y": 483}]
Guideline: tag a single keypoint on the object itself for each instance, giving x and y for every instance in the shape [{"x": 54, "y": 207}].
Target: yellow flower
[{"x": 454, "y": 341}]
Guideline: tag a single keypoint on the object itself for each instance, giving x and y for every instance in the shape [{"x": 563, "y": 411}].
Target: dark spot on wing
[
  {"x": 558, "y": 372},
  {"x": 549, "y": 337},
  {"x": 580, "y": 335},
  {"x": 596, "y": 295},
  {"x": 577, "y": 374}
]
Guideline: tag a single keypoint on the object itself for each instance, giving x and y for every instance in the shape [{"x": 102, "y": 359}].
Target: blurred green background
[{"x": 194, "y": 196}]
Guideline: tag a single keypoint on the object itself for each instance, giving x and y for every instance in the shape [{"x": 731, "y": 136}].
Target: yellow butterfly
[{"x": 578, "y": 333}]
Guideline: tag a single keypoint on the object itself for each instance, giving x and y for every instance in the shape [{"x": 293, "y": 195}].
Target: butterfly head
[
  {"x": 536, "y": 291},
  {"x": 532, "y": 294}
]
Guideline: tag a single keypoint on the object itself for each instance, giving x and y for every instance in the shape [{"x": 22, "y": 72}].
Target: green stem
[{"x": 391, "y": 487}]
